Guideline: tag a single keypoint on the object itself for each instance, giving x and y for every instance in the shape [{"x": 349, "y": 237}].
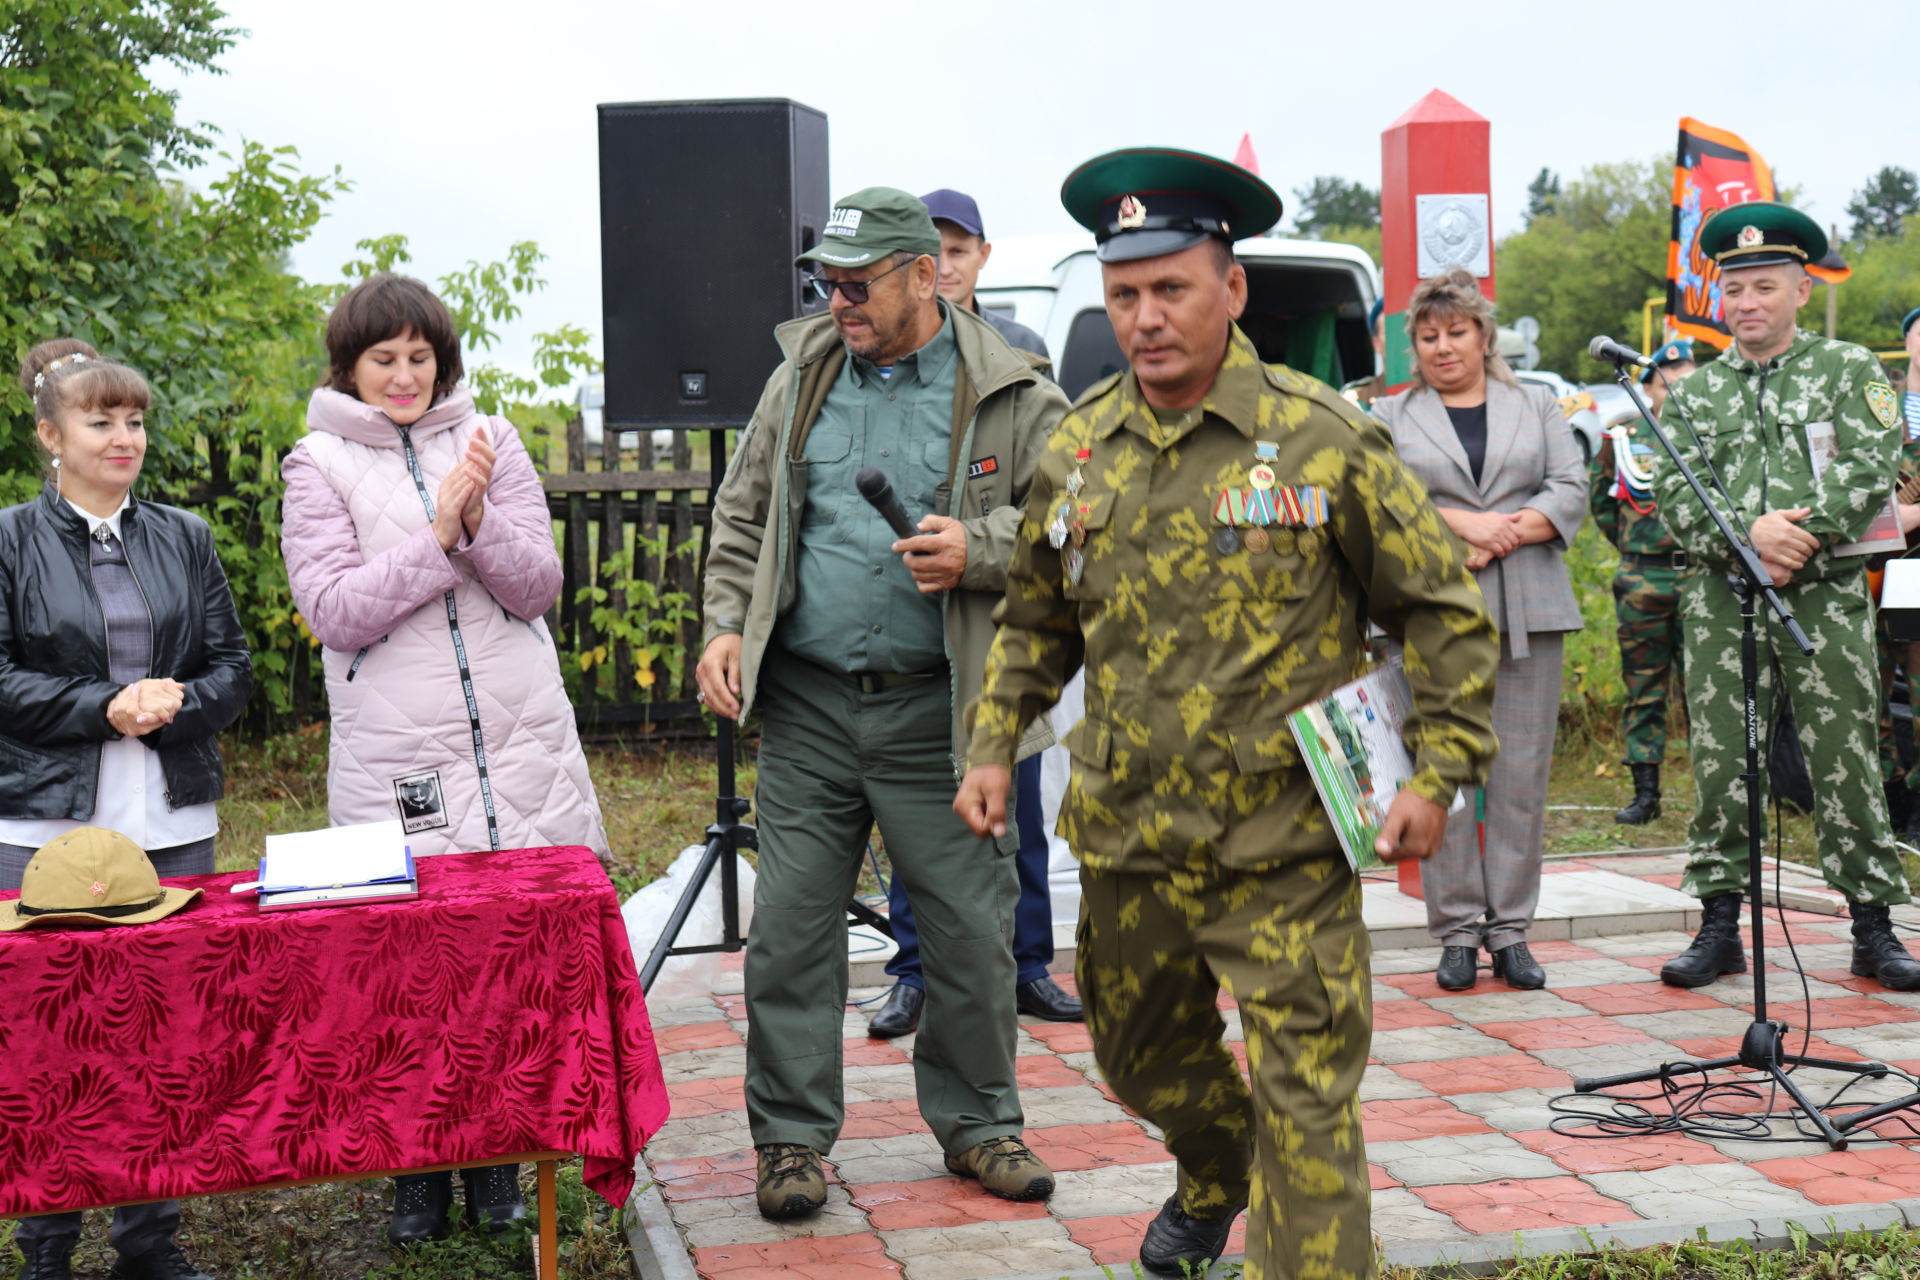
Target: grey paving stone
[
  {"x": 1379, "y": 1083},
  {"x": 885, "y": 1082},
  {"x": 709, "y": 1135},
  {"x": 715, "y": 1220},
  {"x": 1609, "y": 1059},
  {"x": 1592, "y": 973},
  {"x": 1691, "y": 1191},
  {"x": 1783, "y": 991},
  {"x": 986, "y": 1250},
  {"x": 1119, "y": 1188},
  {"x": 1513, "y": 1110},
  {"x": 1688, "y": 1024},
  {"x": 1887, "y": 1042},
  {"x": 704, "y": 1064},
  {"x": 1748, "y": 1152},
  {"x": 1502, "y": 1005},
  {"x": 731, "y": 982},
  {"x": 1399, "y": 1215},
  {"x": 1432, "y": 1044},
  {"x": 1235, "y": 1031},
  {"x": 1383, "y": 992},
  {"x": 1081, "y": 1104},
  {"x": 1467, "y": 1157},
  {"x": 681, "y": 1013},
  {"x": 1665, "y": 942},
  {"x": 1406, "y": 959},
  {"x": 906, "y": 1157},
  {"x": 1084, "y": 1063}
]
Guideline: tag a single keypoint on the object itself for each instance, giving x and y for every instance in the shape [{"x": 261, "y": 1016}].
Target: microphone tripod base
[{"x": 1760, "y": 1050}]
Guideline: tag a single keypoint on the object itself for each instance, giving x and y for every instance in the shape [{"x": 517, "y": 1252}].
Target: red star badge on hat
[
  {"x": 98, "y": 889},
  {"x": 1749, "y": 236},
  {"x": 1132, "y": 213}
]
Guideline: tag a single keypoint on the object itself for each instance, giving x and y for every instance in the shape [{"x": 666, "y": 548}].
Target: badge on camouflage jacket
[{"x": 1885, "y": 405}]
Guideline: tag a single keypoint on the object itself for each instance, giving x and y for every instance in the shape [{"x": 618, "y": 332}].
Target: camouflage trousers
[
  {"x": 1646, "y": 604},
  {"x": 1288, "y": 945},
  {"x": 1834, "y": 697}
]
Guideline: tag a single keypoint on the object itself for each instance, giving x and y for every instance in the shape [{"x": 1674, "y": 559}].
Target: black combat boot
[
  {"x": 1877, "y": 954},
  {"x": 1645, "y": 805},
  {"x": 1716, "y": 948}
]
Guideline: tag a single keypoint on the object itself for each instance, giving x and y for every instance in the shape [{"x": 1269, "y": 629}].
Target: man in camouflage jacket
[
  {"x": 1774, "y": 399},
  {"x": 1207, "y": 858}
]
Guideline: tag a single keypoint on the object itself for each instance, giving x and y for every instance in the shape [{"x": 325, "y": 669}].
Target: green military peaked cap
[
  {"x": 871, "y": 223},
  {"x": 1762, "y": 233},
  {"x": 1147, "y": 201}
]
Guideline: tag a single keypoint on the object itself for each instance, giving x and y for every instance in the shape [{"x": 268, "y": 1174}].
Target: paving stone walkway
[{"x": 1456, "y": 1102}]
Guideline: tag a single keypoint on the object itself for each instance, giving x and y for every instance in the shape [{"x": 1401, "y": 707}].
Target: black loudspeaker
[{"x": 703, "y": 207}]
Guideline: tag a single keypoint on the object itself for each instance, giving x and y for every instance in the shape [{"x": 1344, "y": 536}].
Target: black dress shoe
[
  {"x": 1459, "y": 968},
  {"x": 900, "y": 1015},
  {"x": 162, "y": 1262},
  {"x": 493, "y": 1197},
  {"x": 1178, "y": 1244},
  {"x": 1516, "y": 965},
  {"x": 48, "y": 1260},
  {"x": 420, "y": 1205},
  {"x": 1043, "y": 998}
]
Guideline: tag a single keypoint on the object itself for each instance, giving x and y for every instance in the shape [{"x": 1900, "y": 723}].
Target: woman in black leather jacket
[{"x": 121, "y": 658}]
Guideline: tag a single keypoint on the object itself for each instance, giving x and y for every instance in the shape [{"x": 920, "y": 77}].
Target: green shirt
[
  {"x": 1633, "y": 530},
  {"x": 1753, "y": 421},
  {"x": 856, "y": 607},
  {"x": 1196, "y": 648}
]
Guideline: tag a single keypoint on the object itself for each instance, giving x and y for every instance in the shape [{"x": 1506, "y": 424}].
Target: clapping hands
[{"x": 461, "y": 504}]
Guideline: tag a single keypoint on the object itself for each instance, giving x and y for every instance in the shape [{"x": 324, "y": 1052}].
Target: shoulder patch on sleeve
[{"x": 1885, "y": 405}]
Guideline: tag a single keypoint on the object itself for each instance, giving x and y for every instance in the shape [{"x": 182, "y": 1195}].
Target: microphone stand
[{"x": 1761, "y": 1049}]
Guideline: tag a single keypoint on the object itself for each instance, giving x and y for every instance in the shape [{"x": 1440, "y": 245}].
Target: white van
[{"x": 1307, "y": 303}]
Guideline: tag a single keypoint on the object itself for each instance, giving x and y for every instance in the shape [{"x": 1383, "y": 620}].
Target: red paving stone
[
  {"x": 1561, "y": 951},
  {"x": 1792, "y": 1042},
  {"x": 1494, "y": 1074},
  {"x": 1618, "y": 998},
  {"x": 855, "y": 1257},
  {"x": 1520, "y": 1204},
  {"x": 1410, "y": 1119},
  {"x": 734, "y": 1006},
  {"x": 1115, "y": 1240},
  {"x": 1612, "y": 1154},
  {"x": 1421, "y": 986},
  {"x": 1095, "y": 1146},
  {"x": 1061, "y": 1037},
  {"x": 883, "y": 1118},
  {"x": 937, "y": 1202},
  {"x": 1379, "y": 1179},
  {"x": 1846, "y": 978},
  {"x": 1565, "y": 1033},
  {"x": 1858, "y": 1176},
  {"x": 1855, "y": 1011},
  {"x": 1396, "y": 1015},
  {"x": 859, "y": 1051},
  {"x": 696, "y": 1035},
  {"x": 706, "y": 1097},
  {"x": 1044, "y": 1071},
  {"x": 705, "y": 1177}
]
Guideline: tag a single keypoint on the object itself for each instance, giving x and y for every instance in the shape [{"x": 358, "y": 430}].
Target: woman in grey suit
[{"x": 1506, "y": 474}]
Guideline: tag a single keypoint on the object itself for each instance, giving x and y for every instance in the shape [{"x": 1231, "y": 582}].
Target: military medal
[
  {"x": 1076, "y": 565},
  {"x": 1260, "y": 475},
  {"x": 1227, "y": 541},
  {"x": 1260, "y": 506},
  {"x": 1284, "y": 542},
  {"x": 1075, "y": 479},
  {"x": 1057, "y": 531},
  {"x": 1258, "y": 540}
]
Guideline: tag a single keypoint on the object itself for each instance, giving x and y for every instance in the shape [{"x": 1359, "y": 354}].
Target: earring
[{"x": 57, "y": 474}]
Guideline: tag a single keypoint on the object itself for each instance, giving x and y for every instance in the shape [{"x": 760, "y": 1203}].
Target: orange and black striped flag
[{"x": 1711, "y": 170}]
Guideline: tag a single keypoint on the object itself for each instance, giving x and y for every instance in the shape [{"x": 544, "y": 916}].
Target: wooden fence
[{"x": 637, "y": 529}]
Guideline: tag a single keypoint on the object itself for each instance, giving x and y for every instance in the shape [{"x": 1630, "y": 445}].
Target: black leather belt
[
  {"x": 1659, "y": 559},
  {"x": 881, "y": 681}
]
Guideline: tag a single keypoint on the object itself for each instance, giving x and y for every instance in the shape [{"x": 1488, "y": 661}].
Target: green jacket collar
[
  {"x": 1234, "y": 397},
  {"x": 1804, "y": 340},
  {"x": 990, "y": 363}
]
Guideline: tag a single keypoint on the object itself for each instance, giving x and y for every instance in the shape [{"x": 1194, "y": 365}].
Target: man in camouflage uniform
[
  {"x": 1207, "y": 858},
  {"x": 1756, "y": 410},
  {"x": 1646, "y": 587}
]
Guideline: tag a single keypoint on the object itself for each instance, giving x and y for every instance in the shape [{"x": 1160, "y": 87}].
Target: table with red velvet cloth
[{"x": 224, "y": 1048}]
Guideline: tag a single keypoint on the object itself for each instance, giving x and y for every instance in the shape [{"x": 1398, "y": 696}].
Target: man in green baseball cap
[
  {"x": 1804, "y": 434},
  {"x": 861, "y": 649},
  {"x": 1208, "y": 536}
]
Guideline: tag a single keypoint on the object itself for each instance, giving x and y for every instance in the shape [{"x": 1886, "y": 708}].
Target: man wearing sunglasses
[{"x": 860, "y": 651}]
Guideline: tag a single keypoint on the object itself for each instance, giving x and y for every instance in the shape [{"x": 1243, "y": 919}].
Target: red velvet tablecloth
[{"x": 221, "y": 1048}]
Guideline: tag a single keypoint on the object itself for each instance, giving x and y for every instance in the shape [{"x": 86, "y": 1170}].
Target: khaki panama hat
[{"x": 92, "y": 876}]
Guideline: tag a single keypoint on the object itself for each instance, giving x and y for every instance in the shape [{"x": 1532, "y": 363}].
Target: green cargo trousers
[
  {"x": 1835, "y": 699},
  {"x": 834, "y": 761},
  {"x": 1288, "y": 945}
]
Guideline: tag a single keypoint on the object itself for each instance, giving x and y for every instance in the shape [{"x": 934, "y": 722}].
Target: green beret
[
  {"x": 1762, "y": 233},
  {"x": 1145, "y": 202}
]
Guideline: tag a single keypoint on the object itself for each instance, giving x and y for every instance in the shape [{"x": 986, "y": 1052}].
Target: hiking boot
[
  {"x": 791, "y": 1182},
  {"x": 1179, "y": 1244},
  {"x": 48, "y": 1260},
  {"x": 162, "y": 1262},
  {"x": 1645, "y": 805},
  {"x": 1877, "y": 953},
  {"x": 1716, "y": 948},
  {"x": 1516, "y": 966},
  {"x": 1459, "y": 968},
  {"x": 1005, "y": 1167}
]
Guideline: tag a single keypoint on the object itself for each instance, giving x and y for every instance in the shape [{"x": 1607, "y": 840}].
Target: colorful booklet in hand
[
  {"x": 1352, "y": 743},
  {"x": 335, "y": 866}
]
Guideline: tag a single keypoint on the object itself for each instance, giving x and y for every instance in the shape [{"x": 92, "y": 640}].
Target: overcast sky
[{"x": 468, "y": 126}]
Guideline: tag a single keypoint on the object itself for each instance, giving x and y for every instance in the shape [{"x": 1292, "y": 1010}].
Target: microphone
[
  {"x": 1607, "y": 351},
  {"x": 874, "y": 487}
]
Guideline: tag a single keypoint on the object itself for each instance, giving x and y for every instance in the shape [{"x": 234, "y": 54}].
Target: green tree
[
  {"x": 1542, "y": 194},
  {"x": 1881, "y": 208},
  {"x": 1329, "y": 202},
  {"x": 1590, "y": 265}
]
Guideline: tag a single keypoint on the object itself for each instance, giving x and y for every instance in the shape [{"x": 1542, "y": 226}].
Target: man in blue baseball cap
[{"x": 964, "y": 250}]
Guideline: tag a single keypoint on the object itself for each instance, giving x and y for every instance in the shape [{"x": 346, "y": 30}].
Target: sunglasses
[{"x": 854, "y": 291}]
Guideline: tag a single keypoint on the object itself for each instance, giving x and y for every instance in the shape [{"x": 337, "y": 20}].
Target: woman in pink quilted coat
[{"x": 418, "y": 543}]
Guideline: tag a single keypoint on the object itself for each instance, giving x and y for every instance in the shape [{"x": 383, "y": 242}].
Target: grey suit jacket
[{"x": 1532, "y": 461}]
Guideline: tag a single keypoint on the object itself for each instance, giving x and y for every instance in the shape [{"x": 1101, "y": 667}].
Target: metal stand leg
[{"x": 546, "y": 1249}]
